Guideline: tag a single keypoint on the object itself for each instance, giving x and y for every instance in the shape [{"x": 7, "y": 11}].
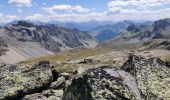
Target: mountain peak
[
  {"x": 24, "y": 23},
  {"x": 136, "y": 27},
  {"x": 162, "y": 23}
]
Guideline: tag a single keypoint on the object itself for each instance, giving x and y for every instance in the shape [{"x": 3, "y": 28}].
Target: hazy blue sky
[{"x": 83, "y": 10}]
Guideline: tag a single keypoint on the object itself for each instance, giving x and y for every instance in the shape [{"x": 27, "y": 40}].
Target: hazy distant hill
[
  {"x": 107, "y": 32},
  {"x": 83, "y": 26}
]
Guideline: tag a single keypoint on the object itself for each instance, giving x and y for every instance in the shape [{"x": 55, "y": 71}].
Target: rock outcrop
[
  {"x": 152, "y": 77},
  {"x": 17, "y": 81},
  {"x": 138, "y": 79},
  {"x": 99, "y": 84}
]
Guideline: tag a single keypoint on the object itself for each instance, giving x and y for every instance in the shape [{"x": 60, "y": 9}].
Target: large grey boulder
[
  {"x": 152, "y": 77},
  {"x": 59, "y": 84},
  {"x": 36, "y": 96},
  {"x": 17, "y": 81},
  {"x": 101, "y": 84},
  {"x": 138, "y": 79}
]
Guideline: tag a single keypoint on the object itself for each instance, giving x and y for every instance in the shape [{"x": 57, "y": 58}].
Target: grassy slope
[{"x": 69, "y": 55}]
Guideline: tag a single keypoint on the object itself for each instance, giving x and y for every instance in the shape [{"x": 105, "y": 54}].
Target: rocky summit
[{"x": 138, "y": 78}]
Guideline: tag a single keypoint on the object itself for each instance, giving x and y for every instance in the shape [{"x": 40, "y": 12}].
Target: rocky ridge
[{"x": 137, "y": 79}]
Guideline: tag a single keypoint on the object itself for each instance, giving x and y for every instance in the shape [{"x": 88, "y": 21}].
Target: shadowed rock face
[{"x": 78, "y": 90}]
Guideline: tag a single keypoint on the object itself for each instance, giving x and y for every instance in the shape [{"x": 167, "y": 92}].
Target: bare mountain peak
[{"x": 24, "y": 23}]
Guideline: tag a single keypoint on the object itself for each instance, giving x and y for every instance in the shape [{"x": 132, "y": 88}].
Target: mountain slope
[
  {"x": 107, "y": 32},
  {"x": 3, "y": 47},
  {"x": 159, "y": 29},
  {"x": 137, "y": 36},
  {"x": 26, "y": 40}
]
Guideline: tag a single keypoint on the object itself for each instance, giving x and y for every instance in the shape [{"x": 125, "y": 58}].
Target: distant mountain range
[
  {"x": 140, "y": 35},
  {"x": 159, "y": 29},
  {"x": 83, "y": 26},
  {"x": 101, "y": 30},
  {"x": 23, "y": 40},
  {"x": 107, "y": 32}
]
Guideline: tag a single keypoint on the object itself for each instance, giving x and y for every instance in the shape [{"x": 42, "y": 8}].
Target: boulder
[
  {"x": 99, "y": 84},
  {"x": 66, "y": 75},
  {"x": 17, "y": 81},
  {"x": 59, "y": 84},
  {"x": 152, "y": 76},
  {"x": 58, "y": 93},
  {"x": 138, "y": 79},
  {"x": 54, "y": 98},
  {"x": 52, "y": 92},
  {"x": 36, "y": 96}
]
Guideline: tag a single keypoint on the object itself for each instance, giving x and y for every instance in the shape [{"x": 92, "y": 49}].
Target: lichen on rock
[
  {"x": 98, "y": 84},
  {"x": 138, "y": 79},
  {"x": 16, "y": 81},
  {"x": 152, "y": 76}
]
